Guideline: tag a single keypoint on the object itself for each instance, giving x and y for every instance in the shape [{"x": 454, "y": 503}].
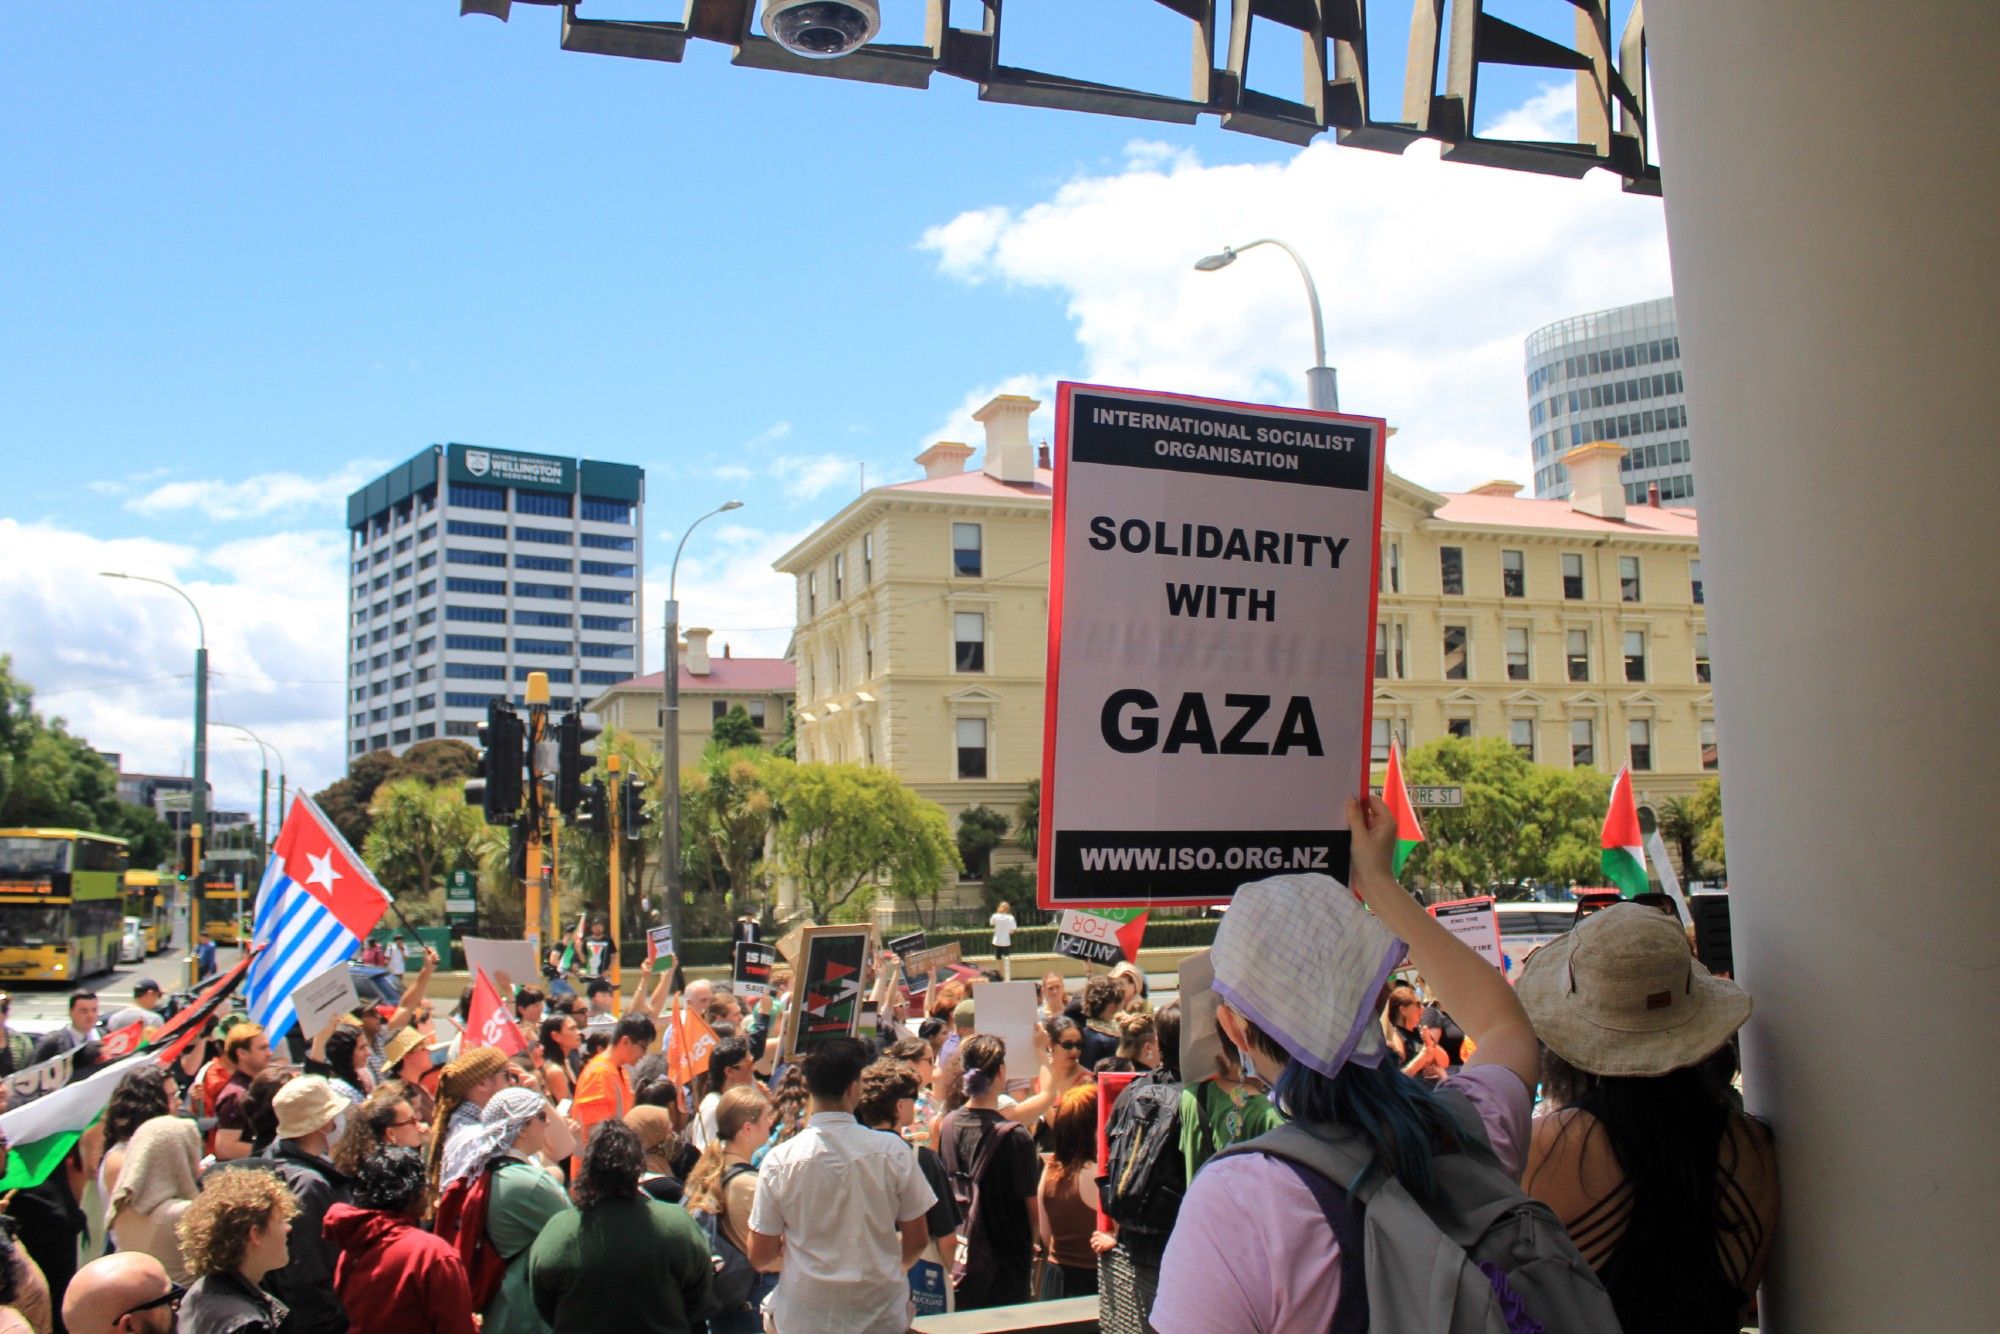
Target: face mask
[
  {"x": 339, "y": 1124},
  {"x": 1246, "y": 1065}
]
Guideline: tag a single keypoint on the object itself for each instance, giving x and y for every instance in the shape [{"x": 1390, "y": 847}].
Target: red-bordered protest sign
[
  {"x": 1475, "y": 922},
  {"x": 1211, "y": 644}
]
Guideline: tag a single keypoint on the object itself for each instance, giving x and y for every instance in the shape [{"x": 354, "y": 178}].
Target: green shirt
[
  {"x": 1213, "y": 1118},
  {"x": 524, "y": 1200},
  {"x": 636, "y": 1266}
]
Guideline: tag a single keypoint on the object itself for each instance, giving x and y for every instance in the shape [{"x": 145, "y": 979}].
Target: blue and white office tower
[
  {"x": 1612, "y": 375},
  {"x": 471, "y": 567}
]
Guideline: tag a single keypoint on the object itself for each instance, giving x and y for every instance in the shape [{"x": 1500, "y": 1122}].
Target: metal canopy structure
[{"x": 1612, "y": 121}]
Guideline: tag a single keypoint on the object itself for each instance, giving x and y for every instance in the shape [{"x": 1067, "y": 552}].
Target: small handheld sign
[
  {"x": 752, "y": 974},
  {"x": 1102, "y": 936},
  {"x": 1211, "y": 644},
  {"x": 1475, "y": 922}
]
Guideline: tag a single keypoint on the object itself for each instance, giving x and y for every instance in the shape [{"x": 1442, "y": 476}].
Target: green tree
[
  {"x": 1028, "y": 818},
  {"x": 1680, "y": 828},
  {"x": 734, "y": 730},
  {"x": 788, "y": 744},
  {"x": 1708, "y": 846},
  {"x": 584, "y": 860},
  {"x": 52, "y": 778},
  {"x": 440, "y": 760},
  {"x": 841, "y": 827},
  {"x": 726, "y": 812},
  {"x": 418, "y": 834},
  {"x": 348, "y": 799},
  {"x": 979, "y": 832},
  {"x": 1520, "y": 822}
]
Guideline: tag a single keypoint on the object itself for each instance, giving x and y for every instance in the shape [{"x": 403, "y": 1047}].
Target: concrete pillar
[{"x": 1834, "y": 220}]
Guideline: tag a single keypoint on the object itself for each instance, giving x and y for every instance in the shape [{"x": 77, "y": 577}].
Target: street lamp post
[
  {"x": 1322, "y": 382},
  {"x": 198, "y": 801},
  {"x": 264, "y": 788},
  {"x": 670, "y": 739}
]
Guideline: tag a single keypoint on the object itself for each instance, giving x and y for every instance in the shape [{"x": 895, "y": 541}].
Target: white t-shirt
[
  {"x": 702, "y": 1129},
  {"x": 836, "y": 1192},
  {"x": 1003, "y": 928}
]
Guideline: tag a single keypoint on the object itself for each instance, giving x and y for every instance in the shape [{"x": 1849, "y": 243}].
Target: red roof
[
  {"x": 746, "y": 676},
  {"x": 1520, "y": 512},
  {"x": 979, "y": 483}
]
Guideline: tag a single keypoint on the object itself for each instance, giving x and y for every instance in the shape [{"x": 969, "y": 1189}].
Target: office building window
[
  {"x": 966, "y": 550},
  {"x": 1577, "y": 653},
  {"x": 619, "y": 623},
  {"x": 1642, "y": 745},
  {"x": 971, "y": 736},
  {"x": 839, "y": 575},
  {"x": 475, "y": 643},
  {"x": 1582, "y": 744},
  {"x": 492, "y": 587},
  {"x": 597, "y": 509},
  {"x": 1628, "y": 579},
  {"x": 550, "y": 648},
  {"x": 756, "y": 709},
  {"x": 605, "y": 569},
  {"x": 590, "y": 650},
  {"x": 457, "y": 701},
  {"x": 621, "y": 596},
  {"x": 1517, "y": 653},
  {"x": 469, "y": 528},
  {"x": 475, "y": 671},
  {"x": 425, "y": 731},
  {"x": 1458, "y": 727},
  {"x": 552, "y": 620},
  {"x": 591, "y": 678},
  {"x": 1635, "y": 655},
  {"x": 1513, "y": 574},
  {"x": 527, "y": 590},
  {"x": 606, "y": 541},
  {"x": 471, "y": 496},
  {"x": 488, "y": 615},
  {"x": 1521, "y": 732},
  {"x": 547, "y": 504},
  {"x": 867, "y": 559},
  {"x": 1454, "y": 653},
  {"x": 425, "y": 646},
  {"x": 1451, "y": 568},
  {"x": 553, "y": 564},
  {"x": 427, "y": 560},
  {"x": 969, "y": 641},
  {"x": 546, "y": 536},
  {"x": 459, "y": 556},
  {"x": 1694, "y": 582},
  {"x": 1392, "y": 568},
  {"x": 1701, "y": 667}
]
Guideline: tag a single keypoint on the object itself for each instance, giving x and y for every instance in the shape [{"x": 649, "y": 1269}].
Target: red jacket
[{"x": 395, "y": 1278}]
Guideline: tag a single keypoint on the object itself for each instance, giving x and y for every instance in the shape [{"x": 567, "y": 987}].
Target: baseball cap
[{"x": 142, "y": 985}]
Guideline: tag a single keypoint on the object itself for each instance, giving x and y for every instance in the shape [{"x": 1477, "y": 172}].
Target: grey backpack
[{"x": 1484, "y": 1259}]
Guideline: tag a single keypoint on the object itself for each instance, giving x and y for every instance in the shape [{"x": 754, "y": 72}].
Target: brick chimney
[
  {"x": 946, "y": 458},
  {"x": 1653, "y": 494},
  {"x": 695, "y": 656},
  {"x": 1042, "y": 456},
  {"x": 1594, "y": 484},
  {"x": 1010, "y": 456}
]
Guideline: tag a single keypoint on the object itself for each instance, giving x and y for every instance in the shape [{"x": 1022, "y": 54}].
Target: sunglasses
[
  {"x": 1070, "y": 1046},
  {"x": 171, "y": 1299},
  {"x": 398, "y": 1125}
]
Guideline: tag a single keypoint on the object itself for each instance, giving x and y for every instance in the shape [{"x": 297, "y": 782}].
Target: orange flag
[{"x": 689, "y": 1041}]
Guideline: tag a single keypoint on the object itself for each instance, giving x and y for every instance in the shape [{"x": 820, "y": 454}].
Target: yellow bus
[
  {"x": 61, "y": 903},
  {"x": 222, "y": 905},
  {"x": 142, "y": 900}
]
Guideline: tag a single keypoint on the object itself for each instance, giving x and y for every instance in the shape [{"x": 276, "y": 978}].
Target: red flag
[
  {"x": 488, "y": 1023},
  {"x": 188, "y": 1022},
  {"x": 121, "y": 1042},
  {"x": 689, "y": 1041}
]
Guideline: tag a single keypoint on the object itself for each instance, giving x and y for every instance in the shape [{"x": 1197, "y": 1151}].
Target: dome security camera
[{"x": 822, "y": 29}]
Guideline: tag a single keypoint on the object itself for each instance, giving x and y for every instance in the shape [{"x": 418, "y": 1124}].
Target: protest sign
[
  {"x": 904, "y": 946},
  {"x": 789, "y": 943},
  {"x": 1211, "y": 639},
  {"x": 752, "y": 974},
  {"x": 322, "y": 998},
  {"x": 1202, "y": 1049},
  {"x": 1475, "y": 922},
  {"x": 922, "y": 963},
  {"x": 828, "y": 990},
  {"x": 24, "y": 1086},
  {"x": 1101, "y": 935},
  {"x": 515, "y": 958},
  {"x": 1007, "y": 1011},
  {"x": 663, "y": 946}
]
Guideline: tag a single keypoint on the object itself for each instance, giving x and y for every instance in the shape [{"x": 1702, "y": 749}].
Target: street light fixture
[
  {"x": 264, "y": 788},
  {"x": 198, "y": 800},
  {"x": 670, "y": 737},
  {"x": 1322, "y": 382}
]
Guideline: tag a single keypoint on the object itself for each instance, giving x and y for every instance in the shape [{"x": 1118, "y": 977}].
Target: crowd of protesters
[{"x": 1368, "y": 1076}]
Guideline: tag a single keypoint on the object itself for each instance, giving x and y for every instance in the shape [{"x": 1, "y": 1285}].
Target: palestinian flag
[
  {"x": 1409, "y": 830},
  {"x": 1624, "y": 857}
]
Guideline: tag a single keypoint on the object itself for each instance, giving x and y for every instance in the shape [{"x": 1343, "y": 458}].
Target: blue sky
[{"x": 258, "y": 249}]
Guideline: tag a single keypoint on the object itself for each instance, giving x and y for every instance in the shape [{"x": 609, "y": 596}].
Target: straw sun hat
[{"x": 1622, "y": 995}]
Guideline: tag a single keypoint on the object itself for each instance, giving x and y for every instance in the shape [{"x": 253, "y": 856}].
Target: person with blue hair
[{"x": 1300, "y": 972}]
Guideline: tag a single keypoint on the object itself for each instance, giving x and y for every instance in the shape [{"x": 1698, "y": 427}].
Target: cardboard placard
[
  {"x": 751, "y": 975},
  {"x": 1202, "y": 1047},
  {"x": 515, "y": 958},
  {"x": 1475, "y": 922},
  {"x": 790, "y": 943},
  {"x": 1101, "y": 935},
  {"x": 663, "y": 946},
  {"x": 1211, "y": 645},
  {"x": 827, "y": 992},
  {"x": 323, "y": 997},
  {"x": 1006, "y": 1010},
  {"x": 922, "y": 963}
]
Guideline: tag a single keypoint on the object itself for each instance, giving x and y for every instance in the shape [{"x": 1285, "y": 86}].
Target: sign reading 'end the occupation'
[{"x": 1211, "y": 605}]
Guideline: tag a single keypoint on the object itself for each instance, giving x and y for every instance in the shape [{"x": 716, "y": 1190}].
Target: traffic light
[
  {"x": 632, "y": 807},
  {"x": 571, "y": 763},
  {"x": 502, "y": 741},
  {"x": 183, "y": 856},
  {"x": 592, "y": 812}
]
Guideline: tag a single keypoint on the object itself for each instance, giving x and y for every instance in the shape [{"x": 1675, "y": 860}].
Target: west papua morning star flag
[{"x": 317, "y": 903}]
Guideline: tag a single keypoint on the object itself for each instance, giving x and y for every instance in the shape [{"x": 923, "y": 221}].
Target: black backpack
[
  {"x": 734, "y": 1280},
  {"x": 1144, "y": 1175}
]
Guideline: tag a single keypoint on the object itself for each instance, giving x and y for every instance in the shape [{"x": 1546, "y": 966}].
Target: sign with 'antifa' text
[{"x": 1211, "y": 612}]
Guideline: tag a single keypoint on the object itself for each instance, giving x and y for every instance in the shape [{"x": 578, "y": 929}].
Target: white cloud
[
  {"x": 1431, "y": 273},
  {"x": 727, "y": 584},
  {"x": 256, "y": 497},
  {"x": 117, "y": 658},
  {"x": 808, "y": 476},
  {"x": 1550, "y": 114}
]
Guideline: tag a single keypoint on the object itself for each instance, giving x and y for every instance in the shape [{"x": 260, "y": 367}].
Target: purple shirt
[{"x": 1252, "y": 1251}]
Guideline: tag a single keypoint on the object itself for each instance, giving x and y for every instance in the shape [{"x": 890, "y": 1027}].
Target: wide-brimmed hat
[
  {"x": 407, "y": 1039},
  {"x": 304, "y": 1105},
  {"x": 1622, "y": 994}
]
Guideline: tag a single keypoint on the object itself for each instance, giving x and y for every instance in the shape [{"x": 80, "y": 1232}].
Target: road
[{"x": 48, "y": 1002}]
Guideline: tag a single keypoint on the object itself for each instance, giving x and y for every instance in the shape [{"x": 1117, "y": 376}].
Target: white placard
[
  {"x": 1211, "y": 645},
  {"x": 1201, "y": 1039},
  {"x": 322, "y": 997},
  {"x": 1007, "y": 1011},
  {"x": 516, "y": 958},
  {"x": 1475, "y": 922}
]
